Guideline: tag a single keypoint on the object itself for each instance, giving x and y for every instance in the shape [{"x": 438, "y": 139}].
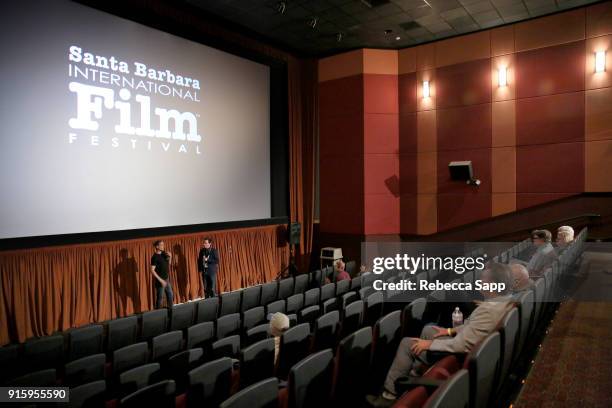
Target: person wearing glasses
[{"x": 543, "y": 256}]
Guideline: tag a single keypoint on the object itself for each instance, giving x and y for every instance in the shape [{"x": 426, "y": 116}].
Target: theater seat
[
  {"x": 154, "y": 323},
  {"x": 121, "y": 332},
  {"x": 352, "y": 370},
  {"x": 180, "y": 364},
  {"x": 276, "y": 307},
  {"x": 285, "y": 288},
  {"x": 256, "y": 334},
  {"x": 84, "y": 370},
  {"x": 482, "y": 364},
  {"x": 85, "y": 341},
  {"x": 294, "y": 346},
  {"x": 312, "y": 297},
  {"x": 201, "y": 335},
  {"x": 326, "y": 331},
  {"x": 207, "y": 310},
  {"x": 228, "y": 325},
  {"x": 269, "y": 292},
  {"x": 165, "y": 345},
  {"x": 301, "y": 284},
  {"x": 412, "y": 318},
  {"x": 373, "y": 308},
  {"x": 295, "y": 303},
  {"x": 129, "y": 357},
  {"x": 525, "y": 308},
  {"x": 42, "y": 378},
  {"x": 353, "y": 318},
  {"x": 342, "y": 287},
  {"x": 328, "y": 291},
  {"x": 386, "y": 338},
  {"x": 310, "y": 381},
  {"x": 257, "y": 362},
  {"x": 253, "y": 317},
  {"x": 161, "y": 394},
  {"x": 226, "y": 347},
  {"x": 309, "y": 314},
  {"x": 508, "y": 331},
  {"x": 43, "y": 352},
  {"x": 251, "y": 297},
  {"x": 210, "y": 383},
  {"x": 230, "y": 303},
  {"x": 263, "y": 394},
  {"x": 90, "y": 395},
  {"x": 455, "y": 392},
  {"x": 139, "y": 377},
  {"x": 182, "y": 316}
]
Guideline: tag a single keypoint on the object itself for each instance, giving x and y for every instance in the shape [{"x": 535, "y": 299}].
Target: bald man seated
[{"x": 520, "y": 279}]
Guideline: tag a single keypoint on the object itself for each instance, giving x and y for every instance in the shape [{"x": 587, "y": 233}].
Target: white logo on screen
[{"x": 92, "y": 100}]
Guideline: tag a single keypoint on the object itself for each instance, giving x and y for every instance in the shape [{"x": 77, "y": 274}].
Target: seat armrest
[{"x": 404, "y": 384}]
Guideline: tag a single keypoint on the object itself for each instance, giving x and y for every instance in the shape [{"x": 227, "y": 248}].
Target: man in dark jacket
[{"x": 208, "y": 265}]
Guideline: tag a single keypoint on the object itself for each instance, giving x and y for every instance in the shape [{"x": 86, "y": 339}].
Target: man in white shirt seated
[{"x": 412, "y": 352}]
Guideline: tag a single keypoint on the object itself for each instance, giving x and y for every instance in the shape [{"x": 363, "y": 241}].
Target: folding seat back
[
  {"x": 312, "y": 297},
  {"x": 129, "y": 357},
  {"x": 365, "y": 291},
  {"x": 84, "y": 370},
  {"x": 387, "y": 335},
  {"x": 348, "y": 298},
  {"x": 257, "y": 362},
  {"x": 310, "y": 381},
  {"x": 42, "y": 378},
  {"x": 91, "y": 395},
  {"x": 165, "y": 345},
  {"x": 182, "y": 316},
  {"x": 316, "y": 278},
  {"x": 256, "y": 334},
  {"x": 367, "y": 279},
  {"x": 301, "y": 284},
  {"x": 226, "y": 347},
  {"x": 508, "y": 331},
  {"x": 326, "y": 331},
  {"x": 342, "y": 287},
  {"x": 139, "y": 377},
  {"x": 121, "y": 332},
  {"x": 154, "y": 323},
  {"x": 228, "y": 325},
  {"x": 85, "y": 341},
  {"x": 285, "y": 288},
  {"x": 201, "y": 335},
  {"x": 373, "y": 308},
  {"x": 330, "y": 305},
  {"x": 309, "y": 314},
  {"x": 353, "y": 318},
  {"x": 207, "y": 310},
  {"x": 328, "y": 291},
  {"x": 230, "y": 303},
  {"x": 412, "y": 318},
  {"x": 526, "y": 306},
  {"x": 161, "y": 394},
  {"x": 482, "y": 363},
  {"x": 356, "y": 283},
  {"x": 180, "y": 364},
  {"x": 210, "y": 383},
  {"x": 453, "y": 393},
  {"x": 539, "y": 292},
  {"x": 251, "y": 297},
  {"x": 263, "y": 394},
  {"x": 294, "y": 346},
  {"x": 43, "y": 352},
  {"x": 351, "y": 267},
  {"x": 278, "y": 306},
  {"x": 269, "y": 293},
  {"x": 295, "y": 303},
  {"x": 253, "y": 317},
  {"x": 352, "y": 374}
]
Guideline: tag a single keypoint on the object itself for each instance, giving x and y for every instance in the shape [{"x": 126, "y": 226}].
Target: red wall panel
[
  {"x": 466, "y": 127},
  {"x": 459, "y": 209},
  {"x": 341, "y": 96},
  {"x": 467, "y": 83},
  {"x": 407, "y": 93},
  {"x": 379, "y": 93}
]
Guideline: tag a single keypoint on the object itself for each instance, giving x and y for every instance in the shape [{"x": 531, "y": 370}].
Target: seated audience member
[
  {"x": 412, "y": 353},
  {"x": 279, "y": 323},
  {"x": 544, "y": 254},
  {"x": 565, "y": 236},
  {"x": 341, "y": 273},
  {"x": 521, "y": 280}
]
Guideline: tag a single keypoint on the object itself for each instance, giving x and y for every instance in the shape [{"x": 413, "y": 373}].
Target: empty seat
[
  {"x": 328, "y": 291},
  {"x": 367, "y": 279},
  {"x": 161, "y": 394},
  {"x": 138, "y": 378},
  {"x": 365, "y": 291},
  {"x": 210, "y": 383},
  {"x": 316, "y": 278},
  {"x": 180, "y": 364},
  {"x": 263, "y": 394},
  {"x": 326, "y": 331},
  {"x": 250, "y": 298},
  {"x": 351, "y": 267},
  {"x": 348, "y": 298},
  {"x": 228, "y": 325},
  {"x": 256, "y": 334},
  {"x": 257, "y": 362},
  {"x": 295, "y": 303},
  {"x": 278, "y": 306},
  {"x": 482, "y": 365},
  {"x": 121, "y": 332},
  {"x": 386, "y": 338},
  {"x": 526, "y": 307},
  {"x": 353, "y": 318},
  {"x": 43, "y": 352},
  {"x": 353, "y": 367},
  {"x": 330, "y": 305},
  {"x": 373, "y": 308},
  {"x": 90, "y": 395},
  {"x": 285, "y": 288},
  {"x": 165, "y": 345},
  {"x": 342, "y": 287},
  {"x": 312, "y": 296},
  {"x": 230, "y": 303},
  {"x": 253, "y": 317},
  {"x": 539, "y": 292},
  {"x": 356, "y": 283},
  {"x": 301, "y": 284},
  {"x": 269, "y": 292},
  {"x": 294, "y": 346},
  {"x": 310, "y": 381},
  {"x": 455, "y": 392},
  {"x": 129, "y": 357},
  {"x": 182, "y": 316},
  {"x": 508, "y": 331},
  {"x": 154, "y": 323},
  {"x": 85, "y": 341},
  {"x": 84, "y": 370},
  {"x": 226, "y": 347},
  {"x": 207, "y": 310},
  {"x": 201, "y": 335},
  {"x": 42, "y": 378},
  {"x": 309, "y": 314},
  {"x": 412, "y": 318}
]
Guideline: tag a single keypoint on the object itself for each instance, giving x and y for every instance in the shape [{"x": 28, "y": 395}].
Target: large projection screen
[{"x": 110, "y": 125}]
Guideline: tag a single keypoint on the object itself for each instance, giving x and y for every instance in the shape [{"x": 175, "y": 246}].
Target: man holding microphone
[
  {"x": 160, "y": 267},
  {"x": 208, "y": 265}
]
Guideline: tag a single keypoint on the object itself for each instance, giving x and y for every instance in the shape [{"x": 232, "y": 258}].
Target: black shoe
[{"x": 377, "y": 401}]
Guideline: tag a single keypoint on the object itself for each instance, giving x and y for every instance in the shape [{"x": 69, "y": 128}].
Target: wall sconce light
[
  {"x": 425, "y": 89},
  {"x": 502, "y": 76},
  {"x": 600, "y": 61}
]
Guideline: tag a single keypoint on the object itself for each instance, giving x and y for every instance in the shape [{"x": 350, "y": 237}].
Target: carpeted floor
[{"x": 574, "y": 366}]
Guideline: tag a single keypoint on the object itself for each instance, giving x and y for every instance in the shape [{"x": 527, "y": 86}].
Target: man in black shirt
[
  {"x": 160, "y": 266},
  {"x": 208, "y": 265}
]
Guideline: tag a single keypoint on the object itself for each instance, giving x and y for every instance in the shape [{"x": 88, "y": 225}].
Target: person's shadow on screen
[
  {"x": 180, "y": 265},
  {"x": 125, "y": 279}
]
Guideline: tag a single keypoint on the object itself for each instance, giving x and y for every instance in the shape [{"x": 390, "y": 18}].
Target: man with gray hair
[
  {"x": 412, "y": 352},
  {"x": 521, "y": 280}
]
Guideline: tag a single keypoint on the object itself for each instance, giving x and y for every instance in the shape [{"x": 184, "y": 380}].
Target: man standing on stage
[
  {"x": 208, "y": 265},
  {"x": 160, "y": 266}
]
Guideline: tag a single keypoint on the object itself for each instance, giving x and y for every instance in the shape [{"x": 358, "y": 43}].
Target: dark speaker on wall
[
  {"x": 294, "y": 233},
  {"x": 460, "y": 170}
]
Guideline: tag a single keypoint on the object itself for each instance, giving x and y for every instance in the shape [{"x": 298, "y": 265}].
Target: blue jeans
[{"x": 160, "y": 290}]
